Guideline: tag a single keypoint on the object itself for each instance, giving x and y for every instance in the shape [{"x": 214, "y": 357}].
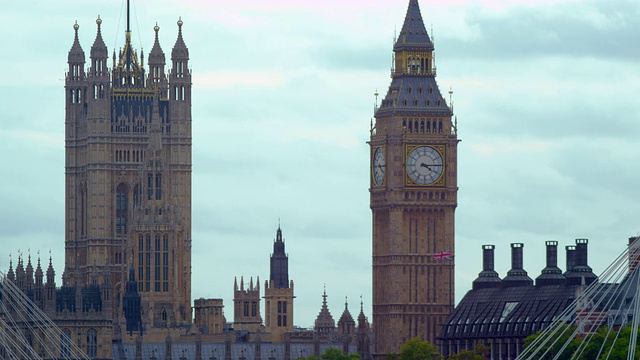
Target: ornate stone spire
[
  {"x": 180, "y": 50},
  {"x": 76, "y": 54},
  {"x": 99, "y": 49},
  {"x": 324, "y": 321},
  {"x": 156, "y": 56}
]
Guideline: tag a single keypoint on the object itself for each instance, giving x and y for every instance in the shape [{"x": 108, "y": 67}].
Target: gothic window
[
  {"x": 175, "y": 88},
  {"x": 79, "y": 96},
  {"x": 284, "y": 308},
  {"x": 428, "y": 126},
  {"x": 136, "y": 196},
  {"x": 157, "y": 263},
  {"x": 158, "y": 186},
  {"x": 121, "y": 209},
  {"x": 410, "y": 126},
  {"x": 149, "y": 186},
  {"x": 182, "y": 93},
  {"x": 147, "y": 264},
  {"x": 65, "y": 344},
  {"x": 95, "y": 91},
  {"x": 73, "y": 96},
  {"x": 246, "y": 308},
  {"x": 92, "y": 343},
  {"x": 165, "y": 263},
  {"x": 254, "y": 309},
  {"x": 163, "y": 315},
  {"x": 284, "y": 320},
  {"x": 440, "y": 126}
]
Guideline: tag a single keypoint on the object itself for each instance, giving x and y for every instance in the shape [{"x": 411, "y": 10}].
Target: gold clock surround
[{"x": 441, "y": 181}]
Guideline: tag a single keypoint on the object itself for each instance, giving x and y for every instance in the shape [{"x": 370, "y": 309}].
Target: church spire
[{"x": 279, "y": 263}]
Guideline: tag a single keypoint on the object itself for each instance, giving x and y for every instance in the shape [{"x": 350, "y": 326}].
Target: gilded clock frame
[
  {"x": 373, "y": 176},
  {"x": 441, "y": 182}
]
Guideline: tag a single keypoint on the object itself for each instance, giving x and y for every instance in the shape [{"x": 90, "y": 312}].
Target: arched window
[
  {"x": 156, "y": 260},
  {"x": 92, "y": 343},
  {"x": 79, "y": 96},
  {"x": 440, "y": 126},
  {"x": 101, "y": 93},
  {"x": 73, "y": 96},
  {"x": 428, "y": 126},
  {"x": 422, "y": 126},
  {"x": 136, "y": 196},
  {"x": 158, "y": 186},
  {"x": 95, "y": 91},
  {"x": 181, "y": 92},
  {"x": 65, "y": 344},
  {"x": 165, "y": 263},
  {"x": 149, "y": 186},
  {"x": 121, "y": 209}
]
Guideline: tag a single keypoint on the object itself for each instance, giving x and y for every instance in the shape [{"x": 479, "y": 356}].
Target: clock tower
[{"x": 413, "y": 196}]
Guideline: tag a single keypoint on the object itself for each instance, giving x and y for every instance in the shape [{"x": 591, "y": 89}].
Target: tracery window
[
  {"x": 121, "y": 209},
  {"x": 92, "y": 343}
]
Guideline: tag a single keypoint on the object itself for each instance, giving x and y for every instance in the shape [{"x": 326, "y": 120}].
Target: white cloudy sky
[{"x": 545, "y": 93}]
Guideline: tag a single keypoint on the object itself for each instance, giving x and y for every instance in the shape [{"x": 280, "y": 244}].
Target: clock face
[
  {"x": 378, "y": 166},
  {"x": 425, "y": 165}
]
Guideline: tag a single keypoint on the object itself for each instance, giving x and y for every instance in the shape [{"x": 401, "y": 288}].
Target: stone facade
[
  {"x": 128, "y": 175},
  {"x": 413, "y": 197}
]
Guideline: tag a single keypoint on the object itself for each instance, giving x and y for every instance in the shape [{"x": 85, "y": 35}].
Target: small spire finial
[
  {"x": 156, "y": 28},
  {"x": 76, "y": 27},
  {"x": 98, "y": 21},
  {"x": 180, "y": 22}
]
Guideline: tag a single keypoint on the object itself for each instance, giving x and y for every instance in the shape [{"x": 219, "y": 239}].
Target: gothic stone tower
[
  {"x": 128, "y": 174},
  {"x": 246, "y": 306},
  {"x": 278, "y": 293},
  {"x": 413, "y": 197}
]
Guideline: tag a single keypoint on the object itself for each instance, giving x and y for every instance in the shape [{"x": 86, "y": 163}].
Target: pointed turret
[
  {"x": 180, "y": 50},
  {"x": 346, "y": 324},
  {"x": 99, "y": 53},
  {"x": 324, "y": 322},
  {"x": 10, "y": 274},
  {"x": 51, "y": 274},
  {"x": 39, "y": 276},
  {"x": 279, "y": 263},
  {"x": 29, "y": 273},
  {"x": 364, "y": 343},
  {"x": 76, "y": 57},
  {"x": 157, "y": 62}
]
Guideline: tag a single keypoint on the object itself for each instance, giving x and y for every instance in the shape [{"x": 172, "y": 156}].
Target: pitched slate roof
[{"x": 413, "y": 34}]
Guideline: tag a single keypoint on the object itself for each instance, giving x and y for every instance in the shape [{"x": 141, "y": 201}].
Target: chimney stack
[
  {"x": 517, "y": 276},
  {"x": 551, "y": 275},
  {"x": 488, "y": 277},
  {"x": 581, "y": 273}
]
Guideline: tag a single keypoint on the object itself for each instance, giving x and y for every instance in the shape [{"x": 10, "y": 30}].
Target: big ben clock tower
[{"x": 413, "y": 197}]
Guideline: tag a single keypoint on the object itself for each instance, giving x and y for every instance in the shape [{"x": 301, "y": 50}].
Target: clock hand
[{"x": 427, "y": 166}]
